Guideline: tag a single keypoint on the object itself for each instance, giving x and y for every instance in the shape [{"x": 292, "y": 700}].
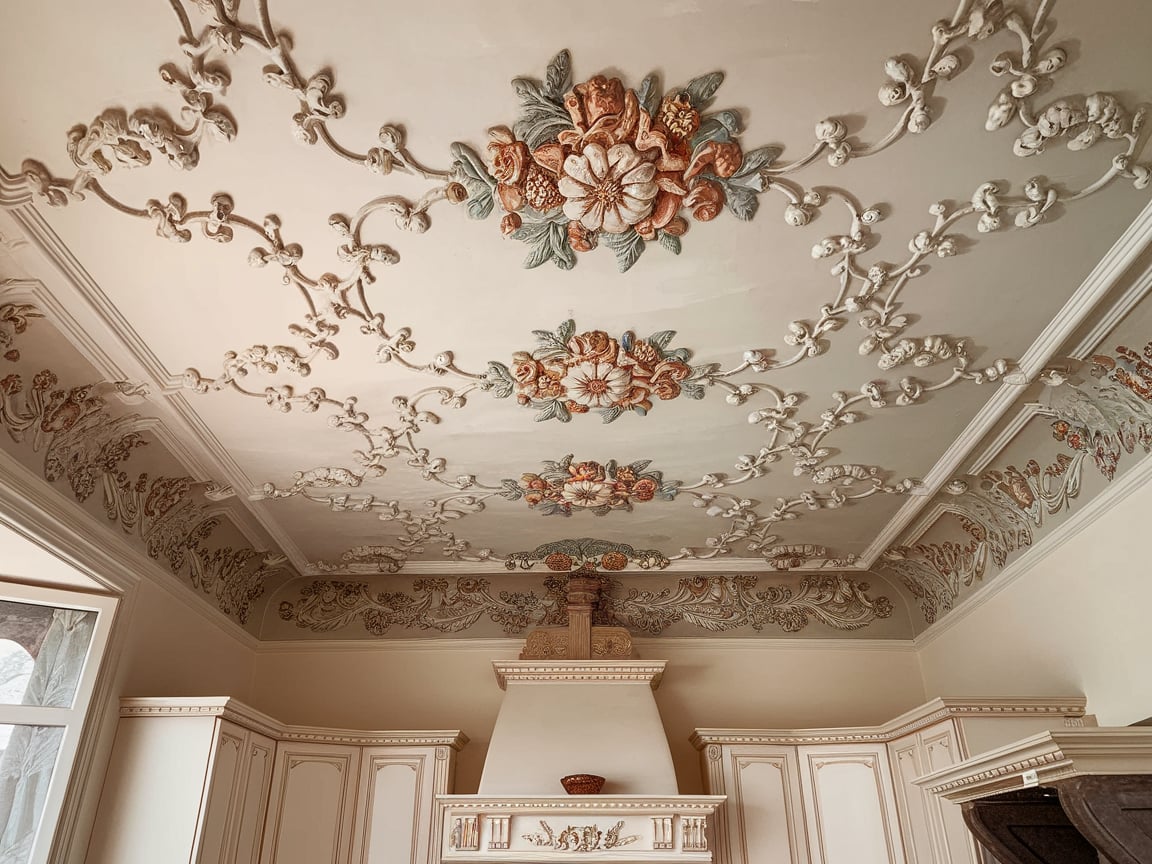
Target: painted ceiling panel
[{"x": 740, "y": 289}]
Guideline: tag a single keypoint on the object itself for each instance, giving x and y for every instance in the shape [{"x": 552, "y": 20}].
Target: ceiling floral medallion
[
  {"x": 586, "y": 555},
  {"x": 565, "y": 487},
  {"x": 572, "y": 373},
  {"x": 598, "y": 163}
]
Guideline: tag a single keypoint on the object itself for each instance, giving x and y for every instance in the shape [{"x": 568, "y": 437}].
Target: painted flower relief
[
  {"x": 572, "y": 373},
  {"x": 565, "y": 487},
  {"x": 598, "y": 163}
]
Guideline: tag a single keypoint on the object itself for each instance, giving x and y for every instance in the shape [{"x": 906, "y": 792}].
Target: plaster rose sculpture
[
  {"x": 597, "y": 163},
  {"x": 564, "y": 487}
]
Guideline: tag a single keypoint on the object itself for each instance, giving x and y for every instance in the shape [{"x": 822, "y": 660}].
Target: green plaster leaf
[
  {"x": 500, "y": 380},
  {"x": 541, "y": 252},
  {"x": 701, "y": 90},
  {"x": 649, "y": 94},
  {"x": 610, "y": 414},
  {"x": 472, "y": 165},
  {"x": 670, "y": 242},
  {"x": 562, "y": 253},
  {"x": 558, "y": 76},
  {"x": 756, "y": 159},
  {"x": 660, "y": 340},
  {"x": 628, "y": 248},
  {"x": 741, "y": 201}
]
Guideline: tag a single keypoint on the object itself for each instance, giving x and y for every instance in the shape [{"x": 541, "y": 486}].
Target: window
[{"x": 51, "y": 642}]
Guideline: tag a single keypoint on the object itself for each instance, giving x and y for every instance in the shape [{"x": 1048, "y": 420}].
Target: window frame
[{"x": 73, "y": 718}]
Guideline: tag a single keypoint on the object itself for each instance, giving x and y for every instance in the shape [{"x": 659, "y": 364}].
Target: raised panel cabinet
[
  {"x": 311, "y": 805},
  {"x": 848, "y": 805},
  {"x": 763, "y": 819}
]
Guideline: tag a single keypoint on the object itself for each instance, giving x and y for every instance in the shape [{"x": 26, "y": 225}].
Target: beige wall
[
  {"x": 1076, "y": 621},
  {"x": 774, "y": 684},
  {"x": 172, "y": 650}
]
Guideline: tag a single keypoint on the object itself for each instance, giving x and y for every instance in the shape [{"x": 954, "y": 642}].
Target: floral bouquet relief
[{"x": 597, "y": 163}]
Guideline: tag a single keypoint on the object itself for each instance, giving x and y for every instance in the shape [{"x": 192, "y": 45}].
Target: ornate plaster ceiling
[{"x": 763, "y": 345}]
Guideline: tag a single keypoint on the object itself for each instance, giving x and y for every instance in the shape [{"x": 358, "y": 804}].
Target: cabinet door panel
[
  {"x": 955, "y": 844},
  {"x": 253, "y": 807},
  {"x": 764, "y": 807},
  {"x": 311, "y": 805},
  {"x": 849, "y": 807},
  {"x": 912, "y": 806},
  {"x": 223, "y": 798},
  {"x": 392, "y": 813}
]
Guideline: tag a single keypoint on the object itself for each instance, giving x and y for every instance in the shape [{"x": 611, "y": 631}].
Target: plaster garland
[{"x": 118, "y": 139}]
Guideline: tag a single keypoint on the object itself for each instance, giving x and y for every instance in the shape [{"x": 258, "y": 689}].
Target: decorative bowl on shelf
[{"x": 582, "y": 784}]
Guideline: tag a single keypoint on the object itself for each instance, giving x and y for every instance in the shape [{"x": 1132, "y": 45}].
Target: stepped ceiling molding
[{"x": 790, "y": 319}]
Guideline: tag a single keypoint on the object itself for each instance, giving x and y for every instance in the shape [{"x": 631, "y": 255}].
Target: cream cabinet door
[
  {"x": 225, "y": 789},
  {"x": 765, "y": 816},
  {"x": 311, "y": 805},
  {"x": 849, "y": 807},
  {"x": 394, "y": 808},
  {"x": 933, "y": 829},
  {"x": 253, "y": 806}
]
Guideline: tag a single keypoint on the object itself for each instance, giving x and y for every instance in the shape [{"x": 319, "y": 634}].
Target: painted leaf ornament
[{"x": 597, "y": 164}]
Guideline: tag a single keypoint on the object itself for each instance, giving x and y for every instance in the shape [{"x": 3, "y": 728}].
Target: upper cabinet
[
  {"x": 211, "y": 781},
  {"x": 847, "y": 796}
]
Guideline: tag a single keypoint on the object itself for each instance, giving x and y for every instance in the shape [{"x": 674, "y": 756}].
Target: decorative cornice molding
[
  {"x": 1055, "y": 755},
  {"x": 70, "y": 532},
  {"x": 1104, "y": 277},
  {"x": 237, "y": 712},
  {"x": 650, "y": 671},
  {"x": 912, "y": 721},
  {"x": 580, "y": 803},
  {"x": 1127, "y": 301},
  {"x": 1136, "y": 478},
  {"x": 1013, "y": 428},
  {"x": 13, "y": 190}
]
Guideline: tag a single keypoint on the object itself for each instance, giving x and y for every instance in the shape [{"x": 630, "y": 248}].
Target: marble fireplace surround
[{"x": 577, "y": 716}]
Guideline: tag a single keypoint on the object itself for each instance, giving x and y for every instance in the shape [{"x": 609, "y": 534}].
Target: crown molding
[
  {"x": 1119, "y": 310},
  {"x": 1103, "y": 279},
  {"x": 234, "y": 711},
  {"x": 1013, "y": 428},
  {"x": 1055, "y": 755},
  {"x": 533, "y": 671},
  {"x": 930, "y": 713},
  {"x": 1114, "y": 494},
  {"x": 14, "y": 191}
]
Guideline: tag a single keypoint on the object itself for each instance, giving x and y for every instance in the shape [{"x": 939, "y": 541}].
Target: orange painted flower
[
  {"x": 602, "y": 112},
  {"x": 594, "y": 345},
  {"x": 580, "y": 238},
  {"x": 722, "y": 157},
  {"x": 509, "y": 160},
  {"x": 613, "y": 561},
  {"x": 524, "y": 367},
  {"x": 644, "y": 489},
  {"x": 706, "y": 200},
  {"x": 586, "y": 471},
  {"x": 558, "y": 562}
]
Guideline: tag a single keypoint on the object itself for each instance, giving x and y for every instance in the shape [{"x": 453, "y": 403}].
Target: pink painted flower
[
  {"x": 608, "y": 190},
  {"x": 597, "y": 385}
]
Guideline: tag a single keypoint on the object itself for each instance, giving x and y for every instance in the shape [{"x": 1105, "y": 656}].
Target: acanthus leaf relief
[
  {"x": 710, "y": 604},
  {"x": 1098, "y": 420}
]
